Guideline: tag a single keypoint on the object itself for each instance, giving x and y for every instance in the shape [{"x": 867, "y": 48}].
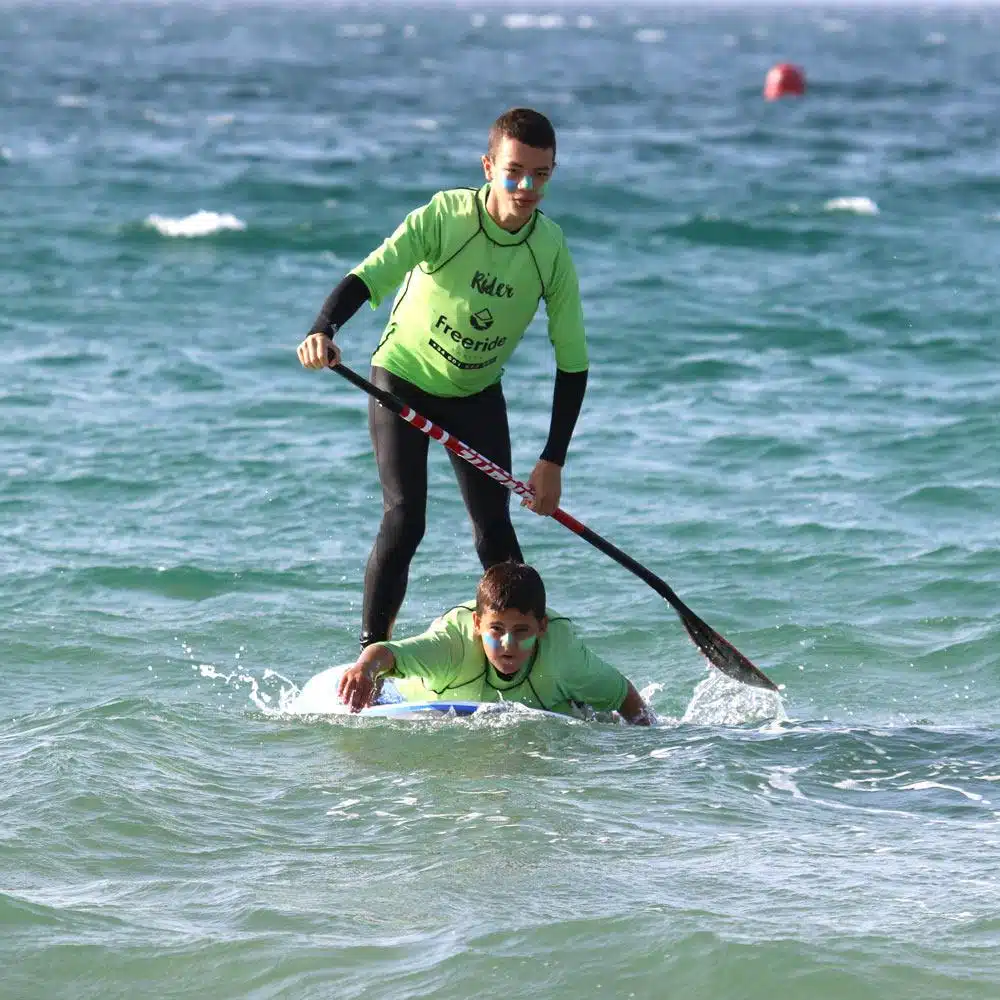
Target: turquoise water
[{"x": 792, "y": 418}]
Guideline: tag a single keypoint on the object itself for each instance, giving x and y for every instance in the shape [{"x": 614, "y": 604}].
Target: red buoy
[{"x": 784, "y": 80}]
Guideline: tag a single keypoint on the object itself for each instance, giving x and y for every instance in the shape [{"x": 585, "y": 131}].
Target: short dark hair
[
  {"x": 510, "y": 585},
  {"x": 527, "y": 126}
]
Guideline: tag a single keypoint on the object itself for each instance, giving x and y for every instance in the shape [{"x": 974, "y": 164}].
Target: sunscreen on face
[
  {"x": 508, "y": 641},
  {"x": 526, "y": 183}
]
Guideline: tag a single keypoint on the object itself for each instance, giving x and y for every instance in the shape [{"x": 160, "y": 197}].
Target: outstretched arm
[
  {"x": 359, "y": 682},
  {"x": 341, "y": 304},
  {"x": 416, "y": 239},
  {"x": 566, "y": 331},
  {"x": 546, "y": 478},
  {"x": 318, "y": 349},
  {"x": 633, "y": 709}
]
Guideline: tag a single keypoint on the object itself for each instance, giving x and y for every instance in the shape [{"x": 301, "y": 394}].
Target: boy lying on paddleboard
[{"x": 503, "y": 646}]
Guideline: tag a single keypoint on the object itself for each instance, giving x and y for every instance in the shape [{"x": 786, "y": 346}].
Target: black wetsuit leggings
[{"x": 479, "y": 421}]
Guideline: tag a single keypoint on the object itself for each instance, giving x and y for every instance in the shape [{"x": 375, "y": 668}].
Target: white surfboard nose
[{"x": 319, "y": 694}]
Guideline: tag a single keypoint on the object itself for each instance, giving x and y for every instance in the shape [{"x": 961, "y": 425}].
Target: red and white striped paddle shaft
[
  {"x": 481, "y": 462},
  {"x": 465, "y": 452}
]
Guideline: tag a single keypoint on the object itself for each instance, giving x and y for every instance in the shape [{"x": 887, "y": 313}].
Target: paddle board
[
  {"x": 319, "y": 697},
  {"x": 454, "y": 709},
  {"x": 422, "y": 709}
]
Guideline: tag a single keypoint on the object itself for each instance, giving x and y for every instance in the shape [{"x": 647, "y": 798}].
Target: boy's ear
[
  {"x": 475, "y": 621},
  {"x": 543, "y": 624}
]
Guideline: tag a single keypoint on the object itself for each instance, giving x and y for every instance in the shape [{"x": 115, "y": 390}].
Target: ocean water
[{"x": 792, "y": 418}]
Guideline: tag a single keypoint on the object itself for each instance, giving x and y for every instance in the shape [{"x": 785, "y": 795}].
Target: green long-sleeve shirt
[
  {"x": 467, "y": 290},
  {"x": 448, "y": 660}
]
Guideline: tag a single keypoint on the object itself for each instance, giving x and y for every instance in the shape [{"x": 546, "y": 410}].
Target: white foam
[
  {"x": 650, "y": 36},
  {"x": 361, "y": 30},
  {"x": 547, "y": 22},
  {"x": 72, "y": 101},
  {"x": 920, "y": 786},
  {"x": 858, "y": 205},
  {"x": 159, "y": 118},
  {"x": 202, "y": 223},
  {"x": 720, "y": 701},
  {"x": 780, "y": 778}
]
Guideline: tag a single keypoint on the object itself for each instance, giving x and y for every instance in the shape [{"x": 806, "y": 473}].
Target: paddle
[{"x": 717, "y": 650}]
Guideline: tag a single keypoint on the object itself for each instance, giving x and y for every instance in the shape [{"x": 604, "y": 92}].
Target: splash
[
  {"x": 272, "y": 693},
  {"x": 720, "y": 701}
]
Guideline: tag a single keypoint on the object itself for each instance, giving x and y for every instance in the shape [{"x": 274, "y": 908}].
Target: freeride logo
[
  {"x": 489, "y": 284},
  {"x": 482, "y": 320}
]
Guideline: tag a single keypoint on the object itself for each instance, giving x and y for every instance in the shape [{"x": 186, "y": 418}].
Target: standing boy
[{"x": 471, "y": 267}]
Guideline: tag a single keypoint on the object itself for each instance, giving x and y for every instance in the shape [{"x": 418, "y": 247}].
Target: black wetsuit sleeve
[
  {"x": 567, "y": 398},
  {"x": 341, "y": 304}
]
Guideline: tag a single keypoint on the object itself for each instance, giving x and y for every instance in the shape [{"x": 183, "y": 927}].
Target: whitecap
[
  {"x": 159, "y": 118},
  {"x": 361, "y": 30},
  {"x": 584, "y": 22},
  {"x": 72, "y": 101},
  {"x": 202, "y": 223},
  {"x": 780, "y": 779},
  {"x": 516, "y": 22},
  {"x": 920, "y": 786},
  {"x": 650, "y": 36},
  {"x": 857, "y": 205}
]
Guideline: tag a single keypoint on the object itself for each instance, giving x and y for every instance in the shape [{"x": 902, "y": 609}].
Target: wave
[
  {"x": 201, "y": 223},
  {"x": 859, "y": 205}
]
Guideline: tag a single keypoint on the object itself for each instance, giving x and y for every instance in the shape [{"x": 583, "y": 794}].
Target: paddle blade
[{"x": 723, "y": 655}]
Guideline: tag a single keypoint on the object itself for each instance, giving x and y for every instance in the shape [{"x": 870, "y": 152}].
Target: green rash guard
[
  {"x": 467, "y": 292},
  {"x": 448, "y": 661}
]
